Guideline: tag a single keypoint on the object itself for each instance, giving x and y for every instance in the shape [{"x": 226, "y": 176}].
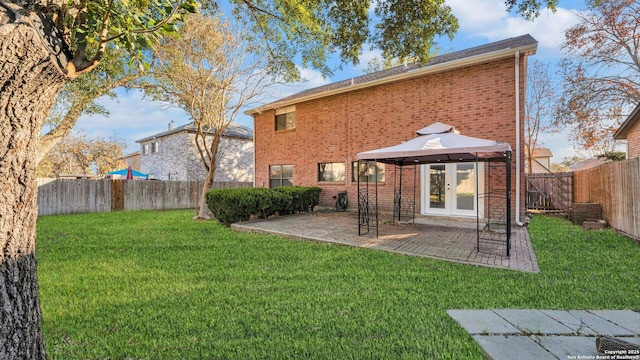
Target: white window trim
[{"x": 286, "y": 110}]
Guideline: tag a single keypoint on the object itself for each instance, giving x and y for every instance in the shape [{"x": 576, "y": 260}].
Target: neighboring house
[
  {"x": 173, "y": 155},
  {"x": 541, "y": 163},
  {"x": 133, "y": 160},
  {"x": 588, "y": 164},
  {"x": 312, "y": 138},
  {"x": 630, "y": 131}
]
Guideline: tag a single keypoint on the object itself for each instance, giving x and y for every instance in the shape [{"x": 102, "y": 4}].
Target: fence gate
[{"x": 550, "y": 192}]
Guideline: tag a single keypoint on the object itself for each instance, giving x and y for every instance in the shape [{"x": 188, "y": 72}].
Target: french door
[{"x": 451, "y": 189}]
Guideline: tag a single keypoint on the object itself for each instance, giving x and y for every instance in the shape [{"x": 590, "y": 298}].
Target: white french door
[{"x": 450, "y": 189}]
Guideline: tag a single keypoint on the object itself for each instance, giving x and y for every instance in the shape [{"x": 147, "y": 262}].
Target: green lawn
[{"x": 157, "y": 285}]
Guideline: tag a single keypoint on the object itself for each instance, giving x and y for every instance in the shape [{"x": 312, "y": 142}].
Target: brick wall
[
  {"x": 633, "y": 142},
  {"x": 478, "y": 100}
]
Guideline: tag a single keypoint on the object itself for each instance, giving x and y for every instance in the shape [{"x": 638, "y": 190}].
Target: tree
[
  {"x": 211, "y": 72},
  {"x": 314, "y": 31},
  {"x": 46, "y": 43},
  {"x": 78, "y": 96},
  {"x": 601, "y": 73},
  {"x": 539, "y": 108},
  {"x": 530, "y": 9},
  {"x": 78, "y": 154}
]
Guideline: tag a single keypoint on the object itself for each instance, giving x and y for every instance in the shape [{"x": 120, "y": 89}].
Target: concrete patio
[
  {"x": 549, "y": 334},
  {"x": 443, "y": 239}
]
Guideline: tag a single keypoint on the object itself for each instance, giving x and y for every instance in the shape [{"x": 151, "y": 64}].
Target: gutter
[
  {"x": 518, "y": 221},
  {"x": 471, "y": 60}
]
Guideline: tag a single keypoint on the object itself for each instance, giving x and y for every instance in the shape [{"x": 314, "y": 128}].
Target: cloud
[
  {"x": 559, "y": 146},
  {"x": 489, "y": 19},
  {"x": 131, "y": 118},
  {"x": 367, "y": 55}
]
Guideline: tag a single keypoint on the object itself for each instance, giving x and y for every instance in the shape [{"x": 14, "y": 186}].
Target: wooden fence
[
  {"x": 549, "y": 192},
  {"x": 616, "y": 187},
  {"x": 83, "y": 196}
]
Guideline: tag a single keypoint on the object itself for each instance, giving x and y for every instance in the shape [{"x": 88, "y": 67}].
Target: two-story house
[
  {"x": 312, "y": 138},
  {"x": 173, "y": 155}
]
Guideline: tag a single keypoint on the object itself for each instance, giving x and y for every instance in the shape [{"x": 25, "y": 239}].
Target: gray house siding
[{"x": 177, "y": 158}]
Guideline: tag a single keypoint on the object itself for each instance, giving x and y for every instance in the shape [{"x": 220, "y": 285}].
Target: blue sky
[{"x": 481, "y": 22}]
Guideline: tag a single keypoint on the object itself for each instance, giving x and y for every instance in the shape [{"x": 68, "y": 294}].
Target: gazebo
[{"x": 440, "y": 143}]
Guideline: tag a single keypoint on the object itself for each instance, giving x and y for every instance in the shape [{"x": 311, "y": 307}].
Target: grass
[{"x": 157, "y": 285}]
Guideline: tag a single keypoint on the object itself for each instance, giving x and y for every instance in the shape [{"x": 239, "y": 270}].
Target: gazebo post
[
  {"x": 376, "y": 172},
  {"x": 400, "y": 194},
  {"x": 358, "y": 191},
  {"x": 477, "y": 207},
  {"x": 508, "y": 168},
  {"x": 415, "y": 175}
]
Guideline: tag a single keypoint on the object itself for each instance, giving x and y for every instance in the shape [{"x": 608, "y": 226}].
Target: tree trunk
[
  {"x": 30, "y": 79},
  {"x": 203, "y": 212},
  {"x": 49, "y": 140}
]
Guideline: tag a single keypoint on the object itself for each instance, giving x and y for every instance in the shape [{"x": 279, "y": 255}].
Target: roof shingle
[{"x": 524, "y": 41}]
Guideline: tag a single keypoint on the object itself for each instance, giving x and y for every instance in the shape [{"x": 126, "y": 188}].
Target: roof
[
  {"x": 588, "y": 164},
  {"x": 479, "y": 54},
  {"x": 439, "y": 143},
  {"x": 234, "y": 130},
  {"x": 135, "y": 153},
  {"x": 542, "y": 153},
  {"x": 628, "y": 124}
]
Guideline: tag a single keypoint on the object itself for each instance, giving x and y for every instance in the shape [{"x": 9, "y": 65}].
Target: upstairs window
[
  {"x": 155, "y": 146},
  {"x": 145, "y": 149},
  {"x": 286, "y": 118}
]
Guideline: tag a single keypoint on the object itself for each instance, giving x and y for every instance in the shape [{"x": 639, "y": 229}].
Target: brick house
[
  {"x": 173, "y": 155},
  {"x": 132, "y": 160},
  {"x": 312, "y": 138},
  {"x": 630, "y": 131}
]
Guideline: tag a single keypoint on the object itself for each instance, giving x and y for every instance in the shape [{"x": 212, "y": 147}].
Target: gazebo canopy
[{"x": 439, "y": 143}]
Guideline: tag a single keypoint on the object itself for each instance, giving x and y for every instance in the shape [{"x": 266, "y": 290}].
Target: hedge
[{"x": 234, "y": 205}]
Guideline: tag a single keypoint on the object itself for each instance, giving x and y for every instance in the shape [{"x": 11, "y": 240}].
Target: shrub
[
  {"x": 302, "y": 199},
  {"x": 234, "y": 205}
]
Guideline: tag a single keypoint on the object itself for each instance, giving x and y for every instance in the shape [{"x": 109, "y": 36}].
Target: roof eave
[
  {"x": 528, "y": 49},
  {"x": 188, "y": 130},
  {"x": 628, "y": 124}
]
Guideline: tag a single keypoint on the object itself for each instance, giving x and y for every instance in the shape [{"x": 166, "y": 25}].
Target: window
[
  {"x": 286, "y": 118},
  {"x": 331, "y": 172},
  {"x": 155, "y": 146},
  {"x": 145, "y": 149},
  {"x": 280, "y": 175},
  {"x": 367, "y": 171}
]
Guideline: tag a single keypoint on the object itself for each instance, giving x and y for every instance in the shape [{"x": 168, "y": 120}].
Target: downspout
[
  {"x": 518, "y": 221},
  {"x": 255, "y": 169}
]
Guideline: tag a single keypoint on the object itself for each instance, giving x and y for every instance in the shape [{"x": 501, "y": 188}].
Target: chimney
[{"x": 171, "y": 123}]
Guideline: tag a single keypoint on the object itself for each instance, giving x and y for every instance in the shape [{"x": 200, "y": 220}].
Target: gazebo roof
[{"x": 439, "y": 143}]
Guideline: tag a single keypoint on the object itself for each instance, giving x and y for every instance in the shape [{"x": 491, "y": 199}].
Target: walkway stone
[
  {"x": 548, "y": 334},
  {"x": 442, "y": 239}
]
